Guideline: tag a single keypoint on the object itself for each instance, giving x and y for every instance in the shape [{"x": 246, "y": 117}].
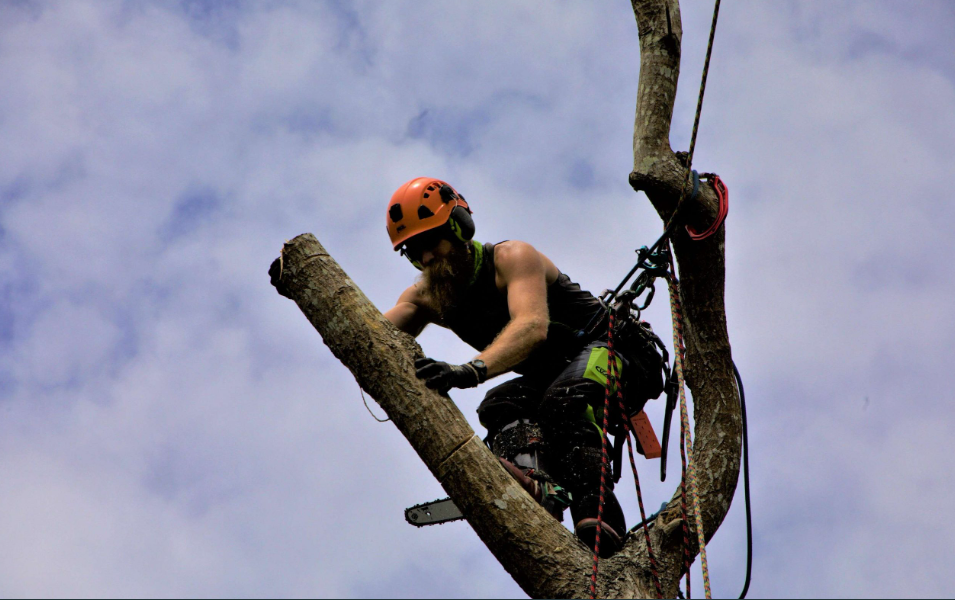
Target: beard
[{"x": 446, "y": 278}]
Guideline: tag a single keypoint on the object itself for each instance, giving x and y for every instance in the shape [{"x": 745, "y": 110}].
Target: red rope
[
  {"x": 613, "y": 379},
  {"x": 633, "y": 464},
  {"x": 603, "y": 474},
  {"x": 723, "y": 194}
]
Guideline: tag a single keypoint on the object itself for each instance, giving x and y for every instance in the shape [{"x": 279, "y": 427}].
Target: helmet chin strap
[{"x": 477, "y": 250}]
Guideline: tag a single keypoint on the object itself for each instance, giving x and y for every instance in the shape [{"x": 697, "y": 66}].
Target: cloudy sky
[{"x": 169, "y": 426}]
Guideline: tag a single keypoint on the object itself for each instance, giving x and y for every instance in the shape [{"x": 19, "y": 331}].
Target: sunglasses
[{"x": 414, "y": 247}]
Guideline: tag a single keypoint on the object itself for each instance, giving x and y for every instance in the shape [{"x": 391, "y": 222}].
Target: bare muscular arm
[
  {"x": 408, "y": 314},
  {"x": 522, "y": 271}
]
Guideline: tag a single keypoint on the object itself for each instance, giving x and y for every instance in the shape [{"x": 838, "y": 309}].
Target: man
[{"x": 513, "y": 305}]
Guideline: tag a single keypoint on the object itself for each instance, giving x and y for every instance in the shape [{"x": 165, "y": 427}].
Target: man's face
[
  {"x": 427, "y": 246},
  {"x": 440, "y": 252},
  {"x": 447, "y": 269}
]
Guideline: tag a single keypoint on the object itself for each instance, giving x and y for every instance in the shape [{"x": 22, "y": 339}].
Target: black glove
[
  {"x": 441, "y": 376},
  {"x": 275, "y": 270}
]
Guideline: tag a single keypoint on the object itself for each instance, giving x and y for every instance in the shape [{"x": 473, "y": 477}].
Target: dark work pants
[{"x": 567, "y": 403}]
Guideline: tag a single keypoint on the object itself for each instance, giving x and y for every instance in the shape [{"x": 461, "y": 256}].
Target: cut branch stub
[{"x": 380, "y": 357}]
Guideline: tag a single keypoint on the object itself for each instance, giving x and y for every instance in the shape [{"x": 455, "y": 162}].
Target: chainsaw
[{"x": 433, "y": 513}]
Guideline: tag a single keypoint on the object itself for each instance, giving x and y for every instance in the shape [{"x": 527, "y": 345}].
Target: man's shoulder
[
  {"x": 511, "y": 250},
  {"x": 414, "y": 294},
  {"x": 517, "y": 258}
]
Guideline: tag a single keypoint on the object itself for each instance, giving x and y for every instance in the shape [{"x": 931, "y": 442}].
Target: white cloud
[{"x": 173, "y": 427}]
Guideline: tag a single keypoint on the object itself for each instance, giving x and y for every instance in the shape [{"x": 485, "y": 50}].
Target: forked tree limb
[
  {"x": 661, "y": 174},
  {"x": 542, "y": 556}
]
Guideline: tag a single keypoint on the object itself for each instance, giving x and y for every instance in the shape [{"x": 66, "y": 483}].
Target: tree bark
[
  {"x": 709, "y": 367},
  {"x": 542, "y": 556}
]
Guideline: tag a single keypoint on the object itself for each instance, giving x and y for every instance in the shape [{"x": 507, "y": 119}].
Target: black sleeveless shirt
[{"x": 481, "y": 313}]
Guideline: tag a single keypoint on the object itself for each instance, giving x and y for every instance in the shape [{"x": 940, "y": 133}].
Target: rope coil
[{"x": 722, "y": 193}]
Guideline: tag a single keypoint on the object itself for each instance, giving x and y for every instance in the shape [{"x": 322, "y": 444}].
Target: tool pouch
[{"x": 646, "y": 360}]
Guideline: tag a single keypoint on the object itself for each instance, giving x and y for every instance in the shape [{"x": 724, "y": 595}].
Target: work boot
[
  {"x": 612, "y": 525},
  {"x": 610, "y": 540},
  {"x": 531, "y": 486},
  {"x": 520, "y": 448},
  {"x": 548, "y": 494},
  {"x": 582, "y": 474}
]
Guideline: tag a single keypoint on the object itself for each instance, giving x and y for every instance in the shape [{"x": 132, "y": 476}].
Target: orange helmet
[{"x": 423, "y": 204}]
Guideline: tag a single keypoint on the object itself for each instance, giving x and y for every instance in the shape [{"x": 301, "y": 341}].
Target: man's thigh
[{"x": 513, "y": 400}]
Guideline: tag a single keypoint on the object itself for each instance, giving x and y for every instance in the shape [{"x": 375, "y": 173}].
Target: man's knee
[
  {"x": 510, "y": 401},
  {"x": 567, "y": 416}
]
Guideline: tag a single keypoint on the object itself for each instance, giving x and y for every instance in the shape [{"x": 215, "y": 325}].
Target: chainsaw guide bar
[{"x": 433, "y": 513}]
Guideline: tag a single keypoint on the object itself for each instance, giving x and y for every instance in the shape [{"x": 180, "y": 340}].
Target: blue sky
[{"x": 171, "y": 426}]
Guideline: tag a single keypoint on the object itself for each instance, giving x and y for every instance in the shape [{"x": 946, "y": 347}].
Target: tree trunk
[{"x": 542, "y": 556}]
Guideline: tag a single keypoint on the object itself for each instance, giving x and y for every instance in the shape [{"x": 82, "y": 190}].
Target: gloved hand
[{"x": 441, "y": 376}]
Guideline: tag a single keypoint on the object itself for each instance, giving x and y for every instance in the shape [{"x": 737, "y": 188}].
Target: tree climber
[{"x": 513, "y": 305}]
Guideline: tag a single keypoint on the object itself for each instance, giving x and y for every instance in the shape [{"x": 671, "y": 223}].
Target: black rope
[
  {"x": 749, "y": 517},
  {"x": 368, "y": 408}
]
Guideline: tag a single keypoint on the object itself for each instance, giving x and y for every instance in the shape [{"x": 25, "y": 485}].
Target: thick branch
[
  {"x": 659, "y": 172},
  {"x": 658, "y": 22},
  {"x": 542, "y": 556}
]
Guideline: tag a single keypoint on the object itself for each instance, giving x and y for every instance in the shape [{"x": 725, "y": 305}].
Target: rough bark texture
[
  {"x": 542, "y": 556},
  {"x": 709, "y": 371}
]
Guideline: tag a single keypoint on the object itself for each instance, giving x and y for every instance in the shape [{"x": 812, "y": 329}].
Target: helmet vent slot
[
  {"x": 395, "y": 213},
  {"x": 424, "y": 212}
]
